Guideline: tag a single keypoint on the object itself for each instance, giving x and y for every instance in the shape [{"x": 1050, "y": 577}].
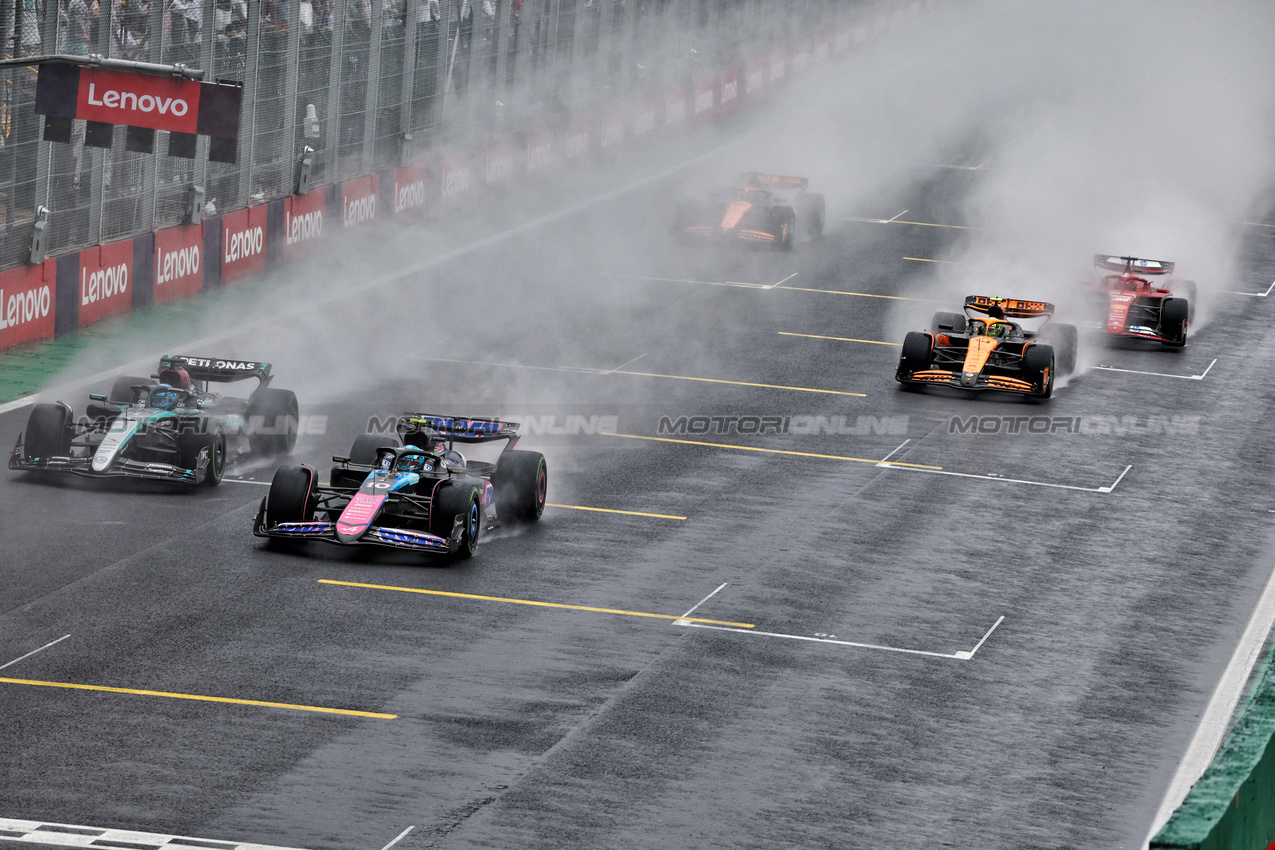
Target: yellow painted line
[
  {"x": 612, "y": 511},
  {"x": 532, "y": 602},
  {"x": 923, "y": 260},
  {"x": 737, "y": 383},
  {"x": 917, "y": 223},
  {"x": 841, "y": 338},
  {"x": 200, "y": 698},
  {"x": 859, "y": 294},
  {"x": 768, "y": 451}
]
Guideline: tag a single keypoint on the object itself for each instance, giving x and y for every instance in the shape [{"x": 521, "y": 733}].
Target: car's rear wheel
[
  {"x": 521, "y": 483},
  {"x": 812, "y": 210},
  {"x": 454, "y": 498},
  {"x": 48, "y": 431},
  {"x": 291, "y": 496},
  {"x": 1066, "y": 340},
  {"x": 365, "y": 445},
  {"x": 1038, "y": 368},
  {"x": 1174, "y": 316},
  {"x": 273, "y": 420},
  {"x": 122, "y": 389},
  {"x": 954, "y": 323},
  {"x": 1186, "y": 289}
]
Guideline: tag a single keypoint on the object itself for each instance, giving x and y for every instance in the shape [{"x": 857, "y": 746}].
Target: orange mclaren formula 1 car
[
  {"x": 985, "y": 348},
  {"x": 1141, "y": 299},
  {"x": 763, "y": 209}
]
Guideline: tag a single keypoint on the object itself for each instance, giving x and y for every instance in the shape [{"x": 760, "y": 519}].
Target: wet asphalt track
[{"x": 523, "y": 726}]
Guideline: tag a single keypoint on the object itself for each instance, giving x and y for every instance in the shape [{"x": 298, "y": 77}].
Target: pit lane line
[
  {"x": 76, "y": 835},
  {"x": 840, "y": 338},
  {"x": 1003, "y": 479},
  {"x": 895, "y": 220},
  {"x": 1254, "y": 294},
  {"x": 33, "y": 652},
  {"x": 1199, "y": 377},
  {"x": 959, "y": 655},
  {"x": 735, "y": 283}
]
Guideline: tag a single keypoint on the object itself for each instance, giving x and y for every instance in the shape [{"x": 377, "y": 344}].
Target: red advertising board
[
  {"x": 778, "y": 66},
  {"x": 539, "y": 152},
  {"x": 706, "y": 94},
  {"x": 27, "y": 301},
  {"x": 843, "y": 39},
  {"x": 800, "y": 56},
  {"x": 410, "y": 190},
  {"x": 823, "y": 45},
  {"x": 578, "y": 141},
  {"x": 500, "y": 166},
  {"x": 756, "y": 73},
  {"x": 456, "y": 178},
  {"x": 243, "y": 242},
  {"x": 303, "y": 217},
  {"x": 677, "y": 108},
  {"x": 358, "y": 200},
  {"x": 729, "y": 92},
  {"x": 179, "y": 262},
  {"x": 138, "y": 100},
  {"x": 645, "y": 120},
  {"x": 106, "y": 275},
  {"x": 611, "y": 132}
]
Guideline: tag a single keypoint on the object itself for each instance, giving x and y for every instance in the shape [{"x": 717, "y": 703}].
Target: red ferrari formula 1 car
[{"x": 1140, "y": 299}]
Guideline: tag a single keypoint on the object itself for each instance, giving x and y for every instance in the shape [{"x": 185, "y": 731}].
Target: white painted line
[
  {"x": 994, "y": 477},
  {"x": 896, "y": 218},
  {"x": 961, "y": 655},
  {"x": 33, "y": 652},
  {"x": 734, "y": 283},
  {"x": 377, "y": 282},
  {"x": 782, "y": 282},
  {"x": 1255, "y": 224},
  {"x": 625, "y": 363},
  {"x": 1254, "y": 294},
  {"x": 246, "y": 481},
  {"x": 1222, "y": 705},
  {"x": 74, "y": 835},
  {"x": 1199, "y": 377},
  {"x": 697, "y": 604},
  {"x": 401, "y": 835},
  {"x": 901, "y": 445}
]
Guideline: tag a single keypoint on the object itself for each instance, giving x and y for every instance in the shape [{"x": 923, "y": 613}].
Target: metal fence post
[
  {"x": 331, "y": 134},
  {"x": 410, "y": 11}
]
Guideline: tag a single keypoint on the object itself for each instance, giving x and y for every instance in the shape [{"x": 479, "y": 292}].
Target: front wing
[
  {"x": 376, "y": 535},
  {"x": 982, "y": 381},
  {"x": 121, "y": 468}
]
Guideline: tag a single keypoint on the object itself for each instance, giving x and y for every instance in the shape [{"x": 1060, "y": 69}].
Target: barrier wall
[
  {"x": 76, "y": 289},
  {"x": 1232, "y": 806}
]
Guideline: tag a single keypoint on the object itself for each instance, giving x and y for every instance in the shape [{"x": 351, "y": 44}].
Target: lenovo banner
[
  {"x": 778, "y": 66},
  {"x": 456, "y": 178},
  {"x": 358, "y": 200},
  {"x": 303, "y": 222},
  {"x": 800, "y": 56},
  {"x": 823, "y": 45},
  {"x": 706, "y": 95},
  {"x": 578, "y": 141},
  {"x": 539, "y": 152},
  {"x": 243, "y": 242},
  {"x": 501, "y": 162},
  {"x": 179, "y": 262},
  {"x": 611, "y": 132},
  {"x": 729, "y": 96},
  {"x": 410, "y": 186},
  {"x": 105, "y": 275},
  {"x": 644, "y": 120},
  {"x": 756, "y": 74},
  {"x": 27, "y": 303},
  {"x": 677, "y": 108},
  {"x": 138, "y": 100}
]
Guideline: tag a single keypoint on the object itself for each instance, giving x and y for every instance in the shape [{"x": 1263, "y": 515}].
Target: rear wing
[
  {"x": 1134, "y": 265},
  {"x": 217, "y": 369},
  {"x": 1014, "y": 308},
  {"x": 756, "y": 178},
  {"x": 459, "y": 429}
]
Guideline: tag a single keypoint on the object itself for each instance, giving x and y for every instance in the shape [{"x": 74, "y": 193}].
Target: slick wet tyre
[
  {"x": 461, "y": 497},
  {"x": 365, "y": 445},
  {"x": 1038, "y": 367},
  {"x": 521, "y": 482},
  {"x": 190, "y": 454},
  {"x": 1174, "y": 313},
  {"x": 917, "y": 351},
  {"x": 291, "y": 496},
  {"x": 48, "y": 431},
  {"x": 273, "y": 419}
]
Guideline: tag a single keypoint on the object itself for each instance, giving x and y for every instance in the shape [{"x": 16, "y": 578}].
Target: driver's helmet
[
  {"x": 164, "y": 397},
  {"x": 175, "y": 376},
  {"x": 410, "y": 462},
  {"x": 997, "y": 330}
]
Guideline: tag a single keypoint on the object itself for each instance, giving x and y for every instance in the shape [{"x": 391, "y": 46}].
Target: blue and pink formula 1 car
[{"x": 411, "y": 490}]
